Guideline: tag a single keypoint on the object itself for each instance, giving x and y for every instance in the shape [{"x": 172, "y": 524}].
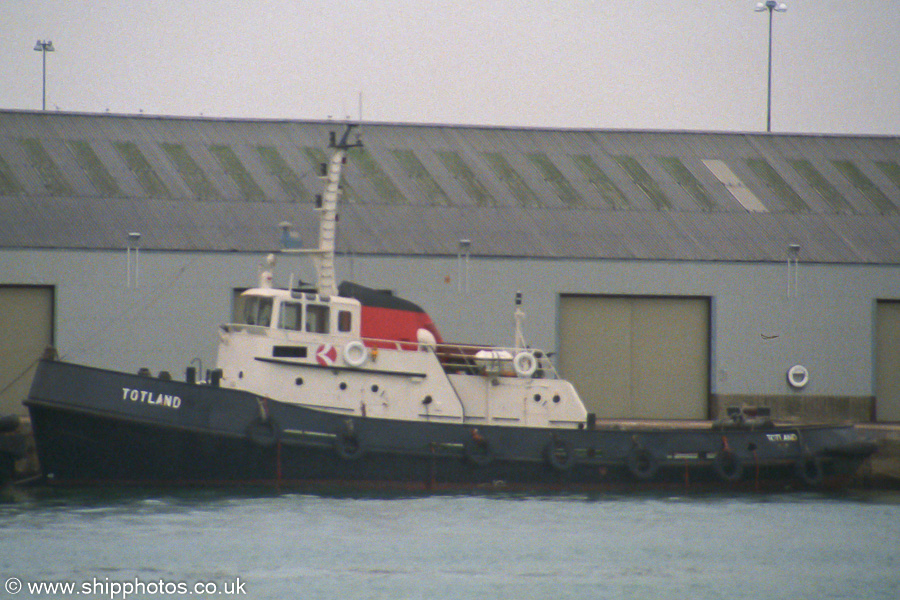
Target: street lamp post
[
  {"x": 771, "y": 6},
  {"x": 44, "y": 47}
]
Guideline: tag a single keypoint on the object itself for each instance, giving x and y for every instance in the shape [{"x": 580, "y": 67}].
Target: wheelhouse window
[
  {"x": 345, "y": 321},
  {"x": 313, "y": 318},
  {"x": 317, "y": 318},
  {"x": 292, "y": 316},
  {"x": 254, "y": 310}
]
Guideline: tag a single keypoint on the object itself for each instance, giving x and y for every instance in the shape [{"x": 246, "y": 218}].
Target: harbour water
[{"x": 265, "y": 546}]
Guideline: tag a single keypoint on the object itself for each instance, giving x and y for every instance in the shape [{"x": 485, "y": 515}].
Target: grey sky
[{"x": 644, "y": 64}]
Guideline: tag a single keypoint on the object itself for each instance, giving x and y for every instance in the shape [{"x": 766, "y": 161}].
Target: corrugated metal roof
[{"x": 85, "y": 181}]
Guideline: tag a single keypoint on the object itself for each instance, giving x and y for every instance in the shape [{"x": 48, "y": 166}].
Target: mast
[{"x": 323, "y": 256}]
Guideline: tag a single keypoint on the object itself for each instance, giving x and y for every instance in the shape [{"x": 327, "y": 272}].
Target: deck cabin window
[
  {"x": 311, "y": 318},
  {"x": 345, "y": 321},
  {"x": 255, "y": 310},
  {"x": 316, "y": 318},
  {"x": 292, "y": 316}
]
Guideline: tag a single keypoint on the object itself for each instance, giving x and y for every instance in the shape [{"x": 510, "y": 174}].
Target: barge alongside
[{"x": 348, "y": 385}]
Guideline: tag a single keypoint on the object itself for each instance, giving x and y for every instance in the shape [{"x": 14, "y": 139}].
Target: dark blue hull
[{"x": 100, "y": 427}]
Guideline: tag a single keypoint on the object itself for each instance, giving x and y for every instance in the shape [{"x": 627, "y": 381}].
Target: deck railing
[
  {"x": 474, "y": 359},
  {"x": 454, "y": 358}
]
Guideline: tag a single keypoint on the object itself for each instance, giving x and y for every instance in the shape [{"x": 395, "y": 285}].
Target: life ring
[
  {"x": 355, "y": 354},
  {"x": 348, "y": 446},
  {"x": 525, "y": 364},
  {"x": 728, "y": 465},
  {"x": 478, "y": 451},
  {"x": 262, "y": 433},
  {"x": 810, "y": 470},
  {"x": 641, "y": 463},
  {"x": 798, "y": 376},
  {"x": 559, "y": 454}
]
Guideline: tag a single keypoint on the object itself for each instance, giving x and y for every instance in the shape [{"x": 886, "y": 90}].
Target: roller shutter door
[
  {"x": 26, "y": 328},
  {"x": 887, "y": 365},
  {"x": 637, "y": 357}
]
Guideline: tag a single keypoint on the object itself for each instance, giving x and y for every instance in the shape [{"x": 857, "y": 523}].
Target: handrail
[
  {"x": 463, "y": 357},
  {"x": 453, "y": 357}
]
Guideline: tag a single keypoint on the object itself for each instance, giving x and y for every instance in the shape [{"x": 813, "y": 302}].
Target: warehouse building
[{"x": 672, "y": 274}]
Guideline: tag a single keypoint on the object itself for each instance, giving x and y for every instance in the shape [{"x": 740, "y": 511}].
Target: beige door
[
  {"x": 637, "y": 357},
  {"x": 887, "y": 362},
  {"x": 26, "y": 329}
]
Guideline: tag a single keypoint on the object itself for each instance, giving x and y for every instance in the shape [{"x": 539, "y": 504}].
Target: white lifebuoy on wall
[
  {"x": 355, "y": 354},
  {"x": 798, "y": 376},
  {"x": 525, "y": 364}
]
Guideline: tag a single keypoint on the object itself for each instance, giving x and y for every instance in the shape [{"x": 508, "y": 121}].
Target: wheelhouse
[{"x": 298, "y": 313}]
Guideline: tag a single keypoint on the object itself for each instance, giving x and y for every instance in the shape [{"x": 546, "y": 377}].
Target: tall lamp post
[
  {"x": 771, "y": 6},
  {"x": 44, "y": 47}
]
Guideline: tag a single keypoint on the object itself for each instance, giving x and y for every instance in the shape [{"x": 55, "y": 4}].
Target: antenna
[{"x": 520, "y": 343}]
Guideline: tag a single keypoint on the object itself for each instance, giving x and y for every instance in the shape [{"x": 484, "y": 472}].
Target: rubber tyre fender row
[
  {"x": 559, "y": 454},
  {"x": 263, "y": 432},
  {"x": 642, "y": 464},
  {"x": 479, "y": 451},
  {"x": 810, "y": 470},
  {"x": 9, "y": 423},
  {"x": 348, "y": 446},
  {"x": 728, "y": 465}
]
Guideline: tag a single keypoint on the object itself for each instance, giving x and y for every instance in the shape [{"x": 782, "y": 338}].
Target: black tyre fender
[
  {"x": 263, "y": 433},
  {"x": 810, "y": 470},
  {"x": 9, "y": 423},
  {"x": 728, "y": 465},
  {"x": 348, "y": 446},
  {"x": 559, "y": 454},
  {"x": 478, "y": 451},
  {"x": 642, "y": 463}
]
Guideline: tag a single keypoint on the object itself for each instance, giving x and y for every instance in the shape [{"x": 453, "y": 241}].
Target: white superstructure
[{"x": 304, "y": 348}]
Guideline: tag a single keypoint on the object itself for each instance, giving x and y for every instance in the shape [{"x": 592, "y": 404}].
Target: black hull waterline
[{"x": 96, "y": 427}]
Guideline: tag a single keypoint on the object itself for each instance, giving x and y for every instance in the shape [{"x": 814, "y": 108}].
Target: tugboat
[{"x": 345, "y": 385}]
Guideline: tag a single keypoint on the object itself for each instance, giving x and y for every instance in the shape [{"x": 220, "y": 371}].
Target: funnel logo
[{"x": 326, "y": 355}]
